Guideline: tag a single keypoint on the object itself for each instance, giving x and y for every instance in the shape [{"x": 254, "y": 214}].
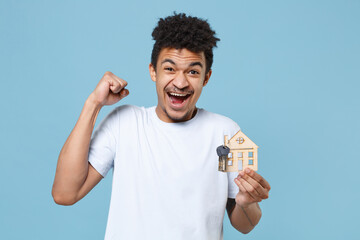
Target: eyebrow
[
  {"x": 168, "y": 60},
  {"x": 190, "y": 65},
  {"x": 196, "y": 64}
]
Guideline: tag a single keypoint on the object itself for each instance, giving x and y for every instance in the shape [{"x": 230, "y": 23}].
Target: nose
[{"x": 180, "y": 81}]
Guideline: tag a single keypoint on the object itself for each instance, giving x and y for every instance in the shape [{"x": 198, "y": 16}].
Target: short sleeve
[{"x": 103, "y": 144}]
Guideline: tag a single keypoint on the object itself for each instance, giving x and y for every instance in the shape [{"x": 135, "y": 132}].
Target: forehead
[{"x": 181, "y": 56}]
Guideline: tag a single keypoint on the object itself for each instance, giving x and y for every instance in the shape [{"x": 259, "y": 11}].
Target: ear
[
  {"x": 152, "y": 71},
  {"x": 207, "y": 77}
]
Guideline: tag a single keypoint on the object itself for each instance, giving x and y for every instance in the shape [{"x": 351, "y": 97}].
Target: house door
[{"x": 240, "y": 165}]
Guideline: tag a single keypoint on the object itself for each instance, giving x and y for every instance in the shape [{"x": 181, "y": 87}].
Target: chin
[{"x": 178, "y": 117}]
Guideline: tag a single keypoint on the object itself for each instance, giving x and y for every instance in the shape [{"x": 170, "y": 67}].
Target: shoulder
[
  {"x": 126, "y": 111},
  {"x": 216, "y": 118},
  {"x": 123, "y": 113}
]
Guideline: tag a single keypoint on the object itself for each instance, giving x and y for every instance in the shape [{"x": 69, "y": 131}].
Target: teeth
[{"x": 178, "y": 94}]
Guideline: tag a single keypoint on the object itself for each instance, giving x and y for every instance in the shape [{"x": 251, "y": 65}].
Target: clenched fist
[{"x": 109, "y": 90}]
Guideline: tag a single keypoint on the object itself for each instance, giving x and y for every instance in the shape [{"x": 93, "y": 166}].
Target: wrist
[
  {"x": 92, "y": 102},
  {"x": 92, "y": 108},
  {"x": 244, "y": 205}
]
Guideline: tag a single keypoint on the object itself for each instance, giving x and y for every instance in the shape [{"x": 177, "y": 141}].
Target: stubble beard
[{"x": 183, "y": 118}]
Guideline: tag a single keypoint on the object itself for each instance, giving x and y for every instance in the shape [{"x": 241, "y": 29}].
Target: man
[{"x": 165, "y": 179}]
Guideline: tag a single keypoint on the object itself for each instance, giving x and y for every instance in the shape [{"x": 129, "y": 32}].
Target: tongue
[{"x": 177, "y": 99}]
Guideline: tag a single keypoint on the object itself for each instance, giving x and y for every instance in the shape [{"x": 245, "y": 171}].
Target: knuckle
[
  {"x": 108, "y": 73},
  {"x": 118, "y": 84},
  {"x": 109, "y": 76},
  {"x": 106, "y": 77}
]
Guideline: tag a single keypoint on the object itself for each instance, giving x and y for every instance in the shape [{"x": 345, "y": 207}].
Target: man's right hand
[
  {"x": 75, "y": 176},
  {"x": 109, "y": 90}
]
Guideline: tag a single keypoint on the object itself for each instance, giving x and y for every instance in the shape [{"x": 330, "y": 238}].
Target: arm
[
  {"x": 74, "y": 176},
  {"x": 244, "y": 211}
]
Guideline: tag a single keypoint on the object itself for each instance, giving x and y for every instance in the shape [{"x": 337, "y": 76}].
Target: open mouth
[{"x": 178, "y": 98}]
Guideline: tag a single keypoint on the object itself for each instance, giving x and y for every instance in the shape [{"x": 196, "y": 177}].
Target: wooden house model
[{"x": 243, "y": 153}]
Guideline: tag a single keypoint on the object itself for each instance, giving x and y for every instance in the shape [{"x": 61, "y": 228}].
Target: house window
[
  {"x": 251, "y": 154},
  {"x": 240, "y": 140},
  {"x": 230, "y": 155},
  {"x": 240, "y": 154},
  {"x": 230, "y": 163},
  {"x": 251, "y": 162}
]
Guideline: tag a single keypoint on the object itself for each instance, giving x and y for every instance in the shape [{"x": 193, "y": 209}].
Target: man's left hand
[{"x": 252, "y": 188}]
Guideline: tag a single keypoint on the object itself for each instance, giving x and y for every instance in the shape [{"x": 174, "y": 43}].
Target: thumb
[{"x": 123, "y": 93}]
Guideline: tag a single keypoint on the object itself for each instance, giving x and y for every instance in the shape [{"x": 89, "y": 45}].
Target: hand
[
  {"x": 252, "y": 188},
  {"x": 109, "y": 90}
]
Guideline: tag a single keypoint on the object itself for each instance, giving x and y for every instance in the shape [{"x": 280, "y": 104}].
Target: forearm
[
  {"x": 244, "y": 219},
  {"x": 72, "y": 167}
]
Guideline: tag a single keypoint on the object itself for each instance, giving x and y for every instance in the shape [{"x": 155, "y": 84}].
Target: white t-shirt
[{"x": 166, "y": 183}]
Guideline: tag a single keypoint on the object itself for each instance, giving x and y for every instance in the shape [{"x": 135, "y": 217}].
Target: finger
[
  {"x": 116, "y": 86},
  {"x": 243, "y": 190},
  {"x": 122, "y": 82},
  {"x": 258, "y": 178},
  {"x": 250, "y": 189},
  {"x": 262, "y": 192}
]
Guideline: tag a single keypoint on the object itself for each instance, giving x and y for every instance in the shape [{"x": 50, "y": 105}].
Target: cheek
[
  {"x": 198, "y": 92},
  {"x": 160, "y": 88},
  {"x": 198, "y": 86},
  {"x": 166, "y": 84}
]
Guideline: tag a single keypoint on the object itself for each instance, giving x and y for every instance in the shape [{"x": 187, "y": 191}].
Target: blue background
[{"x": 287, "y": 71}]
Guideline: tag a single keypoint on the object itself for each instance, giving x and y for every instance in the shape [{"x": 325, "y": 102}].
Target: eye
[
  {"x": 170, "y": 69},
  {"x": 193, "y": 72}
]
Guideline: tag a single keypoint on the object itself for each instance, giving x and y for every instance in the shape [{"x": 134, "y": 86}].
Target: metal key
[{"x": 222, "y": 152}]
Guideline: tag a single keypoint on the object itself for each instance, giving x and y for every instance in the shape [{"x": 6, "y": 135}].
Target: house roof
[{"x": 241, "y": 140}]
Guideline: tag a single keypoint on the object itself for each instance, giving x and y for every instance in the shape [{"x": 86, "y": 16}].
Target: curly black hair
[{"x": 181, "y": 31}]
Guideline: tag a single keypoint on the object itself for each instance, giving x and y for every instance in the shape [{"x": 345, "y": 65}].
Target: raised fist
[{"x": 110, "y": 89}]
